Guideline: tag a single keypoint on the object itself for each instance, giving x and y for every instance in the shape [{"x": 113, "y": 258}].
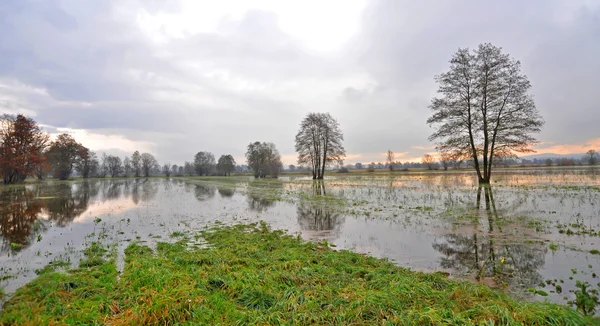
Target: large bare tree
[
  {"x": 484, "y": 108},
  {"x": 319, "y": 143},
  {"x": 148, "y": 164}
]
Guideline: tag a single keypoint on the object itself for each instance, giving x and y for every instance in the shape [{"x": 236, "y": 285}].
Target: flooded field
[{"x": 533, "y": 233}]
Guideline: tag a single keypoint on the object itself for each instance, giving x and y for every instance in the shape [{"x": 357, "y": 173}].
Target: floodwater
[{"x": 530, "y": 230}]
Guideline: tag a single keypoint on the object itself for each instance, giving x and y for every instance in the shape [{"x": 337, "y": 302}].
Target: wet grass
[{"x": 249, "y": 274}]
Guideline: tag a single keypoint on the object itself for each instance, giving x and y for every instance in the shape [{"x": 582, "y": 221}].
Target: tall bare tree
[
  {"x": 127, "y": 168},
  {"x": 484, "y": 108},
  {"x": 446, "y": 160},
  {"x": 87, "y": 164},
  {"x": 390, "y": 160},
  {"x": 114, "y": 165},
  {"x": 592, "y": 157},
  {"x": 136, "y": 163},
  {"x": 319, "y": 143},
  {"x": 188, "y": 168},
  {"x": 166, "y": 170},
  {"x": 428, "y": 161},
  {"x": 148, "y": 164}
]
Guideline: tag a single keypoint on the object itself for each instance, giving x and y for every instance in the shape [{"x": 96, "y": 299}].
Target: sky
[{"x": 174, "y": 77}]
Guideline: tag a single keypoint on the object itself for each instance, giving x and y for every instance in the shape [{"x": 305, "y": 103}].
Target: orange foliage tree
[{"x": 22, "y": 146}]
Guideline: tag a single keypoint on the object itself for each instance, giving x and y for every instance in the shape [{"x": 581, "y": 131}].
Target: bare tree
[
  {"x": 226, "y": 165},
  {"x": 136, "y": 163},
  {"x": 204, "y": 163},
  {"x": 188, "y": 168},
  {"x": 446, "y": 160},
  {"x": 166, "y": 170},
  {"x": 484, "y": 109},
  {"x": 114, "y": 165},
  {"x": 358, "y": 166},
  {"x": 174, "y": 169},
  {"x": 148, "y": 164},
  {"x": 591, "y": 157},
  {"x": 127, "y": 168},
  {"x": 319, "y": 142},
  {"x": 263, "y": 159},
  {"x": 428, "y": 161},
  {"x": 87, "y": 164},
  {"x": 390, "y": 160},
  {"x": 103, "y": 166}
]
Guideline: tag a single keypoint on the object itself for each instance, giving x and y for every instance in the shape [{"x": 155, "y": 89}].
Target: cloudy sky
[{"x": 177, "y": 77}]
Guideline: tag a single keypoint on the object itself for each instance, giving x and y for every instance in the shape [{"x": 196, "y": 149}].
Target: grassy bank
[{"x": 252, "y": 275}]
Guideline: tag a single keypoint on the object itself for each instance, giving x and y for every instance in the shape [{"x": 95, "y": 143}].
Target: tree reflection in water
[
  {"x": 317, "y": 217},
  {"x": 204, "y": 192},
  {"x": 488, "y": 254},
  {"x": 27, "y": 211},
  {"x": 226, "y": 192},
  {"x": 18, "y": 216}
]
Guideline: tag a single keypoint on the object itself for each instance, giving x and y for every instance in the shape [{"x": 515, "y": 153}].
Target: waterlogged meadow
[{"x": 533, "y": 234}]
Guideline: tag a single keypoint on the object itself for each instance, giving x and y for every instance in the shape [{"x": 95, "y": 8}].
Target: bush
[
  {"x": 343, "y": 170},
  {"x": 370, "y": 169}
]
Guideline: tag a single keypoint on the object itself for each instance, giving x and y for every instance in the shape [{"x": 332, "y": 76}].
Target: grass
[{"x": 249, "y": 274}]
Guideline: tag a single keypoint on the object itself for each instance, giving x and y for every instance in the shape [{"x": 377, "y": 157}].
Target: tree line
[{"x": 483, "y": 116}]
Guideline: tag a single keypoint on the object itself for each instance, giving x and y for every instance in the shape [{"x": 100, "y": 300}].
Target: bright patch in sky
[{"x": 322, "y": 26}]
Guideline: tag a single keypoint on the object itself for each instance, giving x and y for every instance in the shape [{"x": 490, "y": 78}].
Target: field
[{"x": 532, "y": 235}]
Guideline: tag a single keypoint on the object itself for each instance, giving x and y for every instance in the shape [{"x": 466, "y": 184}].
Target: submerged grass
[{"x": 249, "y": 274}]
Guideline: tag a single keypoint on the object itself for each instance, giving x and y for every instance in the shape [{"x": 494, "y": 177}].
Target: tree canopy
[
  {"x": 319, "y": 143},
  {"x": 484, "y": 109}
]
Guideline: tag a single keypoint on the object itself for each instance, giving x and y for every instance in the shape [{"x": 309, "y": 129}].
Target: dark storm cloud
[{"x": 88, "y": 65}]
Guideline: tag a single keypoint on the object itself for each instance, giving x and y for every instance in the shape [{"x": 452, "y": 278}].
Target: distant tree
[
  {"x": 548, "y": 162},
  {"x": 166, "y": 170},
  {"x": 319, "y": 142},
  {"x": 591, "y": 157},
  {"x": 358, "y": 166},
  {"x": 226, "y": 165},
  {"x": 372, "y": 165},
  {"x": 390, "y": 160},
  {"x": 63, "y": 155},
  {"x": 148, "y": 164},
  {"x": 87, "y": 165},
  {"x": 263, "y": 159},
  {"x": 181, "y": 170},
  {"x": 484, "y": 109},
  {"x": 136, "y": 163},
  {"x": 103, "y": 166},
  {"x": 428, "y": 161},
  {"x": 204, "y": 162},
  {"x": 127, "y": 168},
  {"x": 189, "y": 168},
  {"x": 114, "y": 165},
  {"x": 292, "y": 168},
  {"x": 22, "y": 148},
  {"x": 174, "y": 169},
  {"x": 446, "y": 160}
]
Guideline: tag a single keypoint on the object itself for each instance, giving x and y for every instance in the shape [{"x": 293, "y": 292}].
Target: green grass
[{"x": 252, "y": 275}]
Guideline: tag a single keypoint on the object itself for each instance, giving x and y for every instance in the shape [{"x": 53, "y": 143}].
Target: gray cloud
[{"x": 90, "y": 66}]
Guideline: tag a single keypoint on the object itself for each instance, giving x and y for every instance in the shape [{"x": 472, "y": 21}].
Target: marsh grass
[{"x": 250, "y": 274}]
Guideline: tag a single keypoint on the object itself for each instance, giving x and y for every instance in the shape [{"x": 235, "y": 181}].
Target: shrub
[
  {"x": 343, "y": 170},
  {"x": 370, "y": 169}
]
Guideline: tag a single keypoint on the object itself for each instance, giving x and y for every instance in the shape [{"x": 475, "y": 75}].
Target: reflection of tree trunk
[{"x": 319, "y": 188}]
